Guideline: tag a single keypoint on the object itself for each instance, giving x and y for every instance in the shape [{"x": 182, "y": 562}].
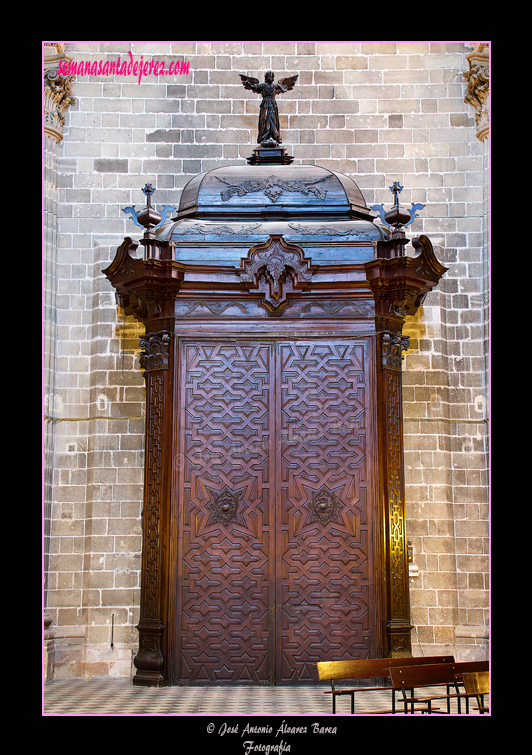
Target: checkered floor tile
[{"x": 116, "y": 697}]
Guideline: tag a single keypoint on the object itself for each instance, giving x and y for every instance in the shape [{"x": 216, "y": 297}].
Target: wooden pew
[
  {"x": 407, "y": 679},
  {"x": 367, "y": 669}
]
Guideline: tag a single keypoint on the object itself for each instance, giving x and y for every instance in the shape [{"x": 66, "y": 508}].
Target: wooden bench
[
  {"x": 407, "y": 679},
  {"x": 371, "y": 668}
]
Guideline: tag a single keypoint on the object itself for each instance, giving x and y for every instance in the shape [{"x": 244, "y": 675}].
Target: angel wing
[
  {"x": 288, "y": 83},
  {"x": 248, "y": 81}
]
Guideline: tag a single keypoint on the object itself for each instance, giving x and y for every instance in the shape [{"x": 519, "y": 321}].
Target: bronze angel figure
[{"x": 269, "y": 133}]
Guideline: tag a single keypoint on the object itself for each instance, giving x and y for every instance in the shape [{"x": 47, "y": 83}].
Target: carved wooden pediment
[{"x": 275, "y": 268}]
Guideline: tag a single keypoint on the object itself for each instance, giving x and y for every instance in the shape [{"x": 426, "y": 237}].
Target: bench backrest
[
  {"x": 471, "y": 666},
  {"x": 371, "y": 667},
  {"x": 408, "y": 677},
  {"x": 476, "y": 682}
]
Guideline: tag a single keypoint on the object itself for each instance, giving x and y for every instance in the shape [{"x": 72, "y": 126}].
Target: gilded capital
[
  {"x": 57, "y": 90},
  {"x": 478, "y": 82}
]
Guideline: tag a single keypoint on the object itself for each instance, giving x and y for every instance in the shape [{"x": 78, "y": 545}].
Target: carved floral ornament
[
  {"x": 478, "y": 80},
  {"x": 224, "y": 506},
  {"x": 273, "y": 187},
  {"x": 392, "y": 350},
  {"x": 155, "y": 351},
  {"x": 57, "y": 91},
  {"x": 275, "y": 268},
  {"x": 324, "y": 506}
]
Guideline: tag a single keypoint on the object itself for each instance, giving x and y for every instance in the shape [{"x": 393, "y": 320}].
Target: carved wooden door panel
[
  {"x": 274, "y": 532},
  {"x": 323, "y": 521},
  {"x": 227, "y": 535}
]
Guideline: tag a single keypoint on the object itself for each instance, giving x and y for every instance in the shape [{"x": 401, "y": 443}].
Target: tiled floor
[{"x": 118, "y": 697}]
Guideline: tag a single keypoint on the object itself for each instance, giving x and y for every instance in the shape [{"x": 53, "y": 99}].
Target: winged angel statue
[{"x": 269, "y": 134}]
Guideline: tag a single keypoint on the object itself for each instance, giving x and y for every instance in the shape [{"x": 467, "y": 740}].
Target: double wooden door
[{"x": 275, "y": 565}]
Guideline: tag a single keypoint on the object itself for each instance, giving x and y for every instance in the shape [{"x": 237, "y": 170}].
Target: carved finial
[
  {"x": 148, "y": 191},
  {"x": 396, "y": 189},
  {"x": 398, "y": 217},
  {"x": 148, "y": 217}
]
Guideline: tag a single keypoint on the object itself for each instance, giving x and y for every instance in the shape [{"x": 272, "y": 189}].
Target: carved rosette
[
  {"x": 323, "y": 506},
  {"x": 276, "y": 268},
  {"x": 224, "y": 506}
]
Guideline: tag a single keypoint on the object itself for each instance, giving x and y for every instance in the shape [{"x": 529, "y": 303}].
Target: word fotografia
[
  {"x": 123, "y": 67},
  {"x": 278, "y": 749}
]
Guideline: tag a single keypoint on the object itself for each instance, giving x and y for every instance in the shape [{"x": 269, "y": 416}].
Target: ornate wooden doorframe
[{"x": 179, "y": 301}]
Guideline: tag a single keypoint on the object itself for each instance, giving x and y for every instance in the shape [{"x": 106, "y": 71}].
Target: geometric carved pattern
[
  {"x": 226, "y": 562},
  {"x": 396, "y": 505},
  {"x": 326, "y": 565},
  {"x": 149, "y": 660},
  {"x": 274, "y": 529},
  {"x": 152, "y": 508}
]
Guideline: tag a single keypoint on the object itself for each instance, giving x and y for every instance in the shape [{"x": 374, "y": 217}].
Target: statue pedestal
[{"x": 270, "y": 156}]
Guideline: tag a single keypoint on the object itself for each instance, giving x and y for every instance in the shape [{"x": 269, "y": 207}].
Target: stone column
[
  {"x": 472, "y": 638},
  {"x": 57, "y": 97}
]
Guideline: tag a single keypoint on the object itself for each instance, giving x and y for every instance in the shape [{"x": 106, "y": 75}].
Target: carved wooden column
[
  {"x": 399, "y": 283},
  {"x": 158, "y": 361},
  {"x": 390, "y": 444},
  {"x": 389, "y": 347},
  {"x": 147, "y": 289}
]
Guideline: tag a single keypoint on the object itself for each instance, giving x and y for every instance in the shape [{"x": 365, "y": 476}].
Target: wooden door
[{"x": 275, "y": 556}]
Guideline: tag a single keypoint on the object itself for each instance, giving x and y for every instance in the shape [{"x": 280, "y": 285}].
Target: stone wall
[{"x": 377, "y": 112}]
